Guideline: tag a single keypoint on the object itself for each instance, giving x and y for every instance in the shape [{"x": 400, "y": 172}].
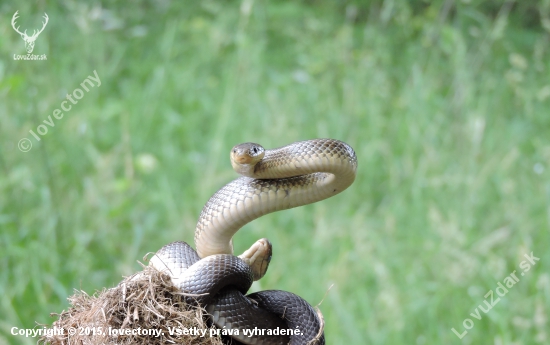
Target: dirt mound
[{"x": 142, "y": 309}]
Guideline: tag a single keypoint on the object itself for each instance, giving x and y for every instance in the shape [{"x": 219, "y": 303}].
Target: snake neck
[{"x": 295, "y": 175}]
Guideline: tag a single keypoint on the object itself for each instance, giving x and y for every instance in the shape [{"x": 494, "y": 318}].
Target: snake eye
[{"x": 255, "y": 150}]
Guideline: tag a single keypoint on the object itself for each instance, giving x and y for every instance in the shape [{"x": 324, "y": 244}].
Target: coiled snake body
[{"x": 297, "y": 174}]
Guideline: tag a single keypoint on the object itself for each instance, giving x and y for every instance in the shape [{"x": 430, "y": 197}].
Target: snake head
[
  {"x": 244, "y": 157},
  {"x": 258, "y": 257}
]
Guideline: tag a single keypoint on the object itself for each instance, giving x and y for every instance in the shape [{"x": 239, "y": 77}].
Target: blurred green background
[{"x": 447, "y": 104}]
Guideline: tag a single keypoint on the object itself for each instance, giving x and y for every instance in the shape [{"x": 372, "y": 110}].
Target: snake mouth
[{"x": 242, "y": 159}]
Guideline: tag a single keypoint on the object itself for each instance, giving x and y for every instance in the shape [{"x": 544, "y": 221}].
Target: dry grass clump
[{"x": 144, "y": 303}]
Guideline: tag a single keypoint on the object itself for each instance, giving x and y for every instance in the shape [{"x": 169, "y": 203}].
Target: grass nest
[{"x": 142, "y": 309}]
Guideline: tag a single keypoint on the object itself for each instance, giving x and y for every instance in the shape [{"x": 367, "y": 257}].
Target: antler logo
[{"x": 29, "y": 40}]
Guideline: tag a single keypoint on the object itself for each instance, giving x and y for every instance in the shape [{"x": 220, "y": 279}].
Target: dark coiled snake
[{"x": 294, "y": 175}]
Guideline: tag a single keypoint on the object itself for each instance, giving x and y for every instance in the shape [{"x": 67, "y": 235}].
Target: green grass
[{"x": 449, "y": 117}]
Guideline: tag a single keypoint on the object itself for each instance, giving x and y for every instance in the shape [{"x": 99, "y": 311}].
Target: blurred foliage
[{"x": 530, "y": 13}]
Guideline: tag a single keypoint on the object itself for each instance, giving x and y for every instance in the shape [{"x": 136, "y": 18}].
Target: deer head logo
[{"x": 29, "y": 40}]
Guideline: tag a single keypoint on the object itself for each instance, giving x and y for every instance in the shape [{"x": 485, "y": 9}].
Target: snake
[{"x": 272, "y": 180}]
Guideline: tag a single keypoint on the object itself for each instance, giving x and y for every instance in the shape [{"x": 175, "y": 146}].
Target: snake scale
[{"x": 294, "y": 175}]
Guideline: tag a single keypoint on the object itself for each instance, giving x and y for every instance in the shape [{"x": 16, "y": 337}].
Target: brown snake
[{"x": 294, "y": 175}]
